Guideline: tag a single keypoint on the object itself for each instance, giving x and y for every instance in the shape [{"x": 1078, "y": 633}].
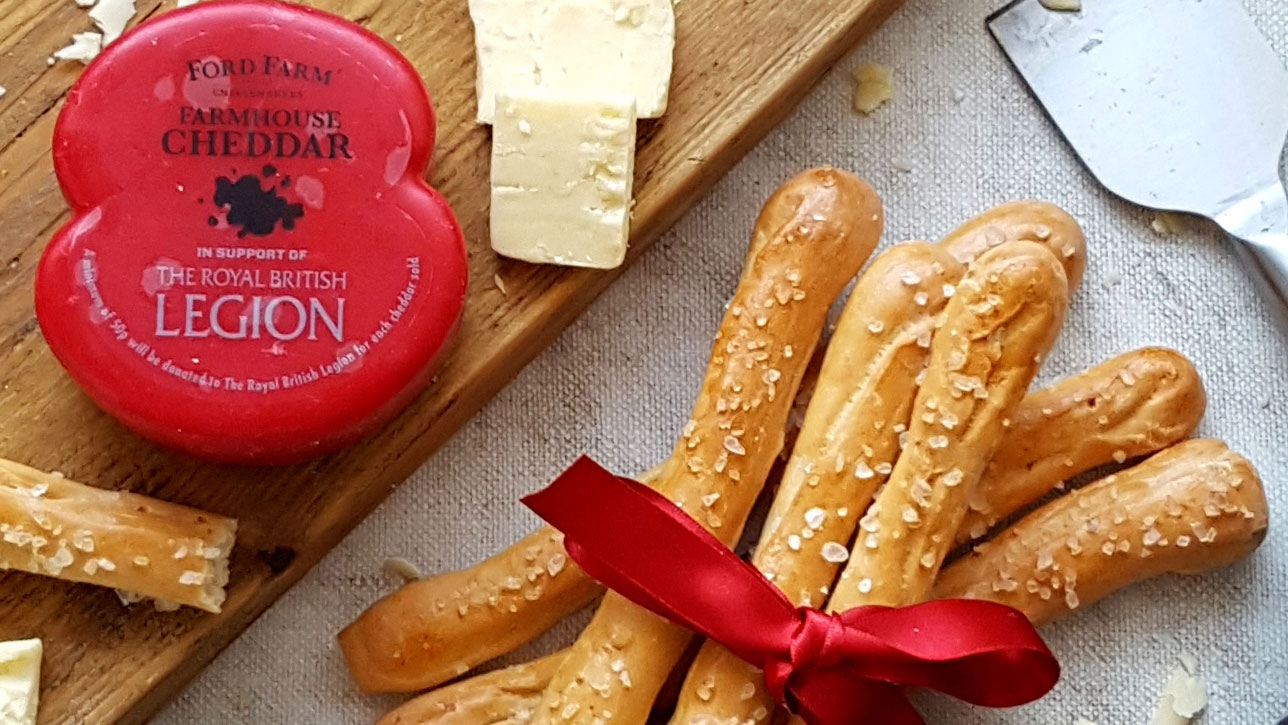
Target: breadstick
[
  {"x": 811, "y": 238},
  {"x": 1003, "y": 320},
  {"x": 1135, "y": 404},
  {"x": 140, "y": 546},
  {"x": 435, "y": 629},
  {"x": 1023, "y": 221},
  {"x": 438, "y": 628},
  {"x": 1191, "y": 508},
  {"x": 505, "y": 695},
  {"x": 1215, "y": 491}
]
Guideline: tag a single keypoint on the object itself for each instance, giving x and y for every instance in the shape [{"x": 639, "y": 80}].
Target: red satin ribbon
[{"x": 841, "y": 669}]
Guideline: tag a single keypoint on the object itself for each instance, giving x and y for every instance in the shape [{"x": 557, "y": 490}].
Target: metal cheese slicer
[{"x": 1172, "y": 104}]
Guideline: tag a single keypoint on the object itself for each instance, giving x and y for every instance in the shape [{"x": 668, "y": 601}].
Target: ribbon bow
[{"x": 839, "y": 669}]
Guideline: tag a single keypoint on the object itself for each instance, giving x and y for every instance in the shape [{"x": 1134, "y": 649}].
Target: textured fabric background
[{"x": 619, "y": 384}]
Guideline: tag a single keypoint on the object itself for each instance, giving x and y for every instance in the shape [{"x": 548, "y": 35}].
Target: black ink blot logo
[{"x": 257, "y": 209}]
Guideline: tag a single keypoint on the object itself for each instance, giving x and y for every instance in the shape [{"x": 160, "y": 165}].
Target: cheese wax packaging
[{"x": 255, "y": 270}]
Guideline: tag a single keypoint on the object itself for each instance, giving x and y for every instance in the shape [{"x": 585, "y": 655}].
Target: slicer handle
[
  {"x": 1259, "y": 224},
  {"x": 1269, "y": 263}
]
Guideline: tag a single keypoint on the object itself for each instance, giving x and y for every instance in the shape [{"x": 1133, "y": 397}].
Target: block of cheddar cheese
[{"x": 562, "y": 170}]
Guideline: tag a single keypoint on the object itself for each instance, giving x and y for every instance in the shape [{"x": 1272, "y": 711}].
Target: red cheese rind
[{"x": 255, "y": 270}]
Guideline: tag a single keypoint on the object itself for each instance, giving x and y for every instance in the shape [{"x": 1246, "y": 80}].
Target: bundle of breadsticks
[{"x": 920, "y": 438}]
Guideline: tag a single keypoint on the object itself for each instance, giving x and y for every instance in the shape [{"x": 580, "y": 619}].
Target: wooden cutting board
[{"x": 740, "y": 67}]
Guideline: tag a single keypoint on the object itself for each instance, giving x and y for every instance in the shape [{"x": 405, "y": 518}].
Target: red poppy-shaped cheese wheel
[{"x": 255, "y": 270}]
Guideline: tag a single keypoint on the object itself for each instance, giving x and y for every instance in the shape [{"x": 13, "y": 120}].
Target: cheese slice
[
  {"x": 19, "y": 681},
  {"x": 562, "y": 171},
  {"x": 586, "y": 48}
]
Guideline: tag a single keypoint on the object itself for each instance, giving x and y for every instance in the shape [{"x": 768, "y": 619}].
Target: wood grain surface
[{"x": 741, "y": 65}]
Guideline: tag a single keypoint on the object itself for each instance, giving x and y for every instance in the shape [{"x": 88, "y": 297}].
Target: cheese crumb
[
  {"x": 1067, "y": 6},
  {"x": 2, "y": 91},
  {"x": 873, "y": 87},
  {"x": 399, "y": 567},
  {"x": 1167, "y": 224},
  {"x": 1183, "y": 697},
  {"x": 111, "y": 17},
  {"x": 84, "y": 48}
]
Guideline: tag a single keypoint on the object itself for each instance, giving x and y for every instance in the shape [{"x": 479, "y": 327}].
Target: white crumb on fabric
[
  {"x": 1066, "y": 6},
  {"x": 2, "y": 91},
  {"x": 902, "y": 165},
  {"x": 1167, "y": 224},
  {"x": 400, "y": 568},
  {"x": 500, "y": 283},
  {"x": 873, "y": 87},
  {"x": 111, "y": 17},
  {"x": 84, "y": 47},
  {"x": 1111, "y": 279},
  {"x": 958, "y": 95},
  {"x": 1183, "y": 697}
]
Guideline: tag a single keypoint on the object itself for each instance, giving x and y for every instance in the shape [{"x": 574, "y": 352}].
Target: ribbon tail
[{"x": 832, "y": 696}]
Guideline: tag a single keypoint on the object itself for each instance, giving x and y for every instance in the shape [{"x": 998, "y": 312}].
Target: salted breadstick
[
  {"x": 138, "y": 545},
  {"x": 1135, "y": 404},
  {"x": 811, "y": 238},
  {"x": 505, "y": 695},
  {"x": 1191, "y": 508},
  {"x": 438, "y": 628},
  {"x": 1001, "y": 323},
  {"x": 1023, "y": 221},
  {"x": 435, "y": 629},
  {"x": 1206, "y": 502}
]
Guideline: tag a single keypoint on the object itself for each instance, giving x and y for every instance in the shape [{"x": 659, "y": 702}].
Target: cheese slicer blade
[{"x": 1179, "y": 105}]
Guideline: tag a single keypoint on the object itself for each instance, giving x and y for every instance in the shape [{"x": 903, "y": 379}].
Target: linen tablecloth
[{"x": 961, "y": 134}]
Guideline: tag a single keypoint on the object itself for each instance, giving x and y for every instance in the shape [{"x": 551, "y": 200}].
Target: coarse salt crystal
[
  {"x": 814, "y": 518},
  {"x": 835, "y": 553}
]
